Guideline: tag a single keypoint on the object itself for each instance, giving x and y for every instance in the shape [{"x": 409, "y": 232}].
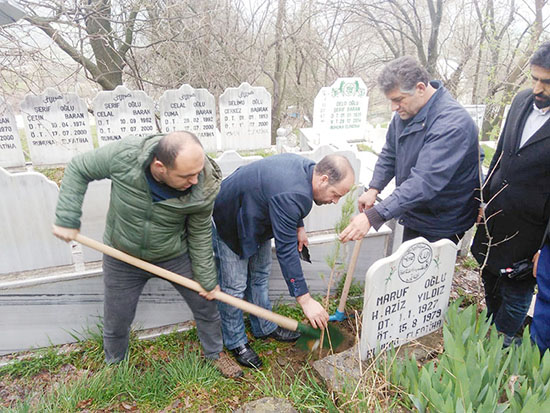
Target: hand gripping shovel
[
  {"x": 310, "y": 336},
  {"x": 340, "y": 315}
]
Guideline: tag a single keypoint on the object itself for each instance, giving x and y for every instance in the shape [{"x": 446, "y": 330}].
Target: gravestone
[
  {"x": 56, "y": 126},
  {"x": 192, "y": 110},
  {"x": 340, "y": 111},
  {"x": 245, "y": 118},
  {"x": 407, "y": 294},
  {"x": 11, "y": 152},
  {"x": 123, "y": 112},
  {"x": 477, "y": 112},
  {"x": 229, "y": 161},
  {"x": 27, "y": 211}
]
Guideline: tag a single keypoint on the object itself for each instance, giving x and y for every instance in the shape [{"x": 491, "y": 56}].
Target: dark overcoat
[{"x": 520, "y": 212}]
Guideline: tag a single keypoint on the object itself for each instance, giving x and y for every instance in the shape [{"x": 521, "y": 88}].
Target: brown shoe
[{"x": 227, "y": 366}]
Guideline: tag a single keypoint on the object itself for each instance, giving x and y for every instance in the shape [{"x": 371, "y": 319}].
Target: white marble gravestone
[
  {"x": 56, "y": 126},
  {"x": 407, "y": 294},
  {"x": 230, "y": 161},
  {"x": 123, "y": 112},
  {"x": 477, "y": 112},
  {"x": 245, "y": 118},
  {"x": 11, "y": 152},
  {"x": 191, "y": 110},
  {"x": 340, "y": 111},
  {"x": 27, "y": 211}
]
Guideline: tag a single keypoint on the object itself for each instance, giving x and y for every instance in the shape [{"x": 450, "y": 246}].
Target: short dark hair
[
  {"x": 335, "y": 167},
  {"x": 172, "y": 144},
  {"x": 403, "y": 73},
  {"x": 542, "y": 56}
]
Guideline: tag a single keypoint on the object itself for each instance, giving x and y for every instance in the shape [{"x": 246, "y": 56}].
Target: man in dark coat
[
  {"x": 516, "y": 195},
  {"x": 260, "y": 201},
  {"x": 432, "y": 150}
]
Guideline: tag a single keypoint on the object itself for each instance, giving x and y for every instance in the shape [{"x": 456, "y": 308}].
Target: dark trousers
[
  {"x": 540, "y": 327},
  {"x": 507, "y": 302},
  {"x": 123, "y": 286},
  {"x": 409, "y": 234}
]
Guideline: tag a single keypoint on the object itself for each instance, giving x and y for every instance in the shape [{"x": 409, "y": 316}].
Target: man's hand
[
  {"x": 302, "y": 238},
  {"x": 367, "y": 200},
  {"x": 314, "y": 311},
  {"x": 535, "y": 263},
  {"x": 480, "y": 213},
  {"x": 66, "y": 234},
  {"x": 357, "y": 228},
  {"x": 210, "y": 295}
]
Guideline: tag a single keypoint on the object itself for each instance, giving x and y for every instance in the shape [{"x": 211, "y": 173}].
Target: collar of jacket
[
  {"x": 421, "y": 116},
  {"x": 209, "y": 178}
]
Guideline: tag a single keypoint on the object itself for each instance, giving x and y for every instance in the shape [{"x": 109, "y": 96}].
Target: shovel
[
  {"x": 340, "y": 315},
  {"x": 310, "y": 337}
]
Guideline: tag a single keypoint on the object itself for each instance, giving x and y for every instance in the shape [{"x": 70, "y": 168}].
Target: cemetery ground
[{"x": 168, "y": 373}]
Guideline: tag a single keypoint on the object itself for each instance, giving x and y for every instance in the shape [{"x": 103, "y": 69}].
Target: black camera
[{"x": 519, "y": 270}]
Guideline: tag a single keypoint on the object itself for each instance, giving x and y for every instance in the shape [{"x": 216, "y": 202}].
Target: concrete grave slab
[
  {"x": 27, "y": 210},
  {"x": 123, "y": 112},
  {"x": 56, "y": 126},
  {"x": 11, "y": 151},
  {"x": 245, "y": 117},
  {"x": 192, "y": 110},
  {"x": 407, "y": 294}
]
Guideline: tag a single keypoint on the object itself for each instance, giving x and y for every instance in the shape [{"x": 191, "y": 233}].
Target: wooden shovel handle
[
  {"x": 349, "y": 275},
  {"x": 258, "y": 311}
]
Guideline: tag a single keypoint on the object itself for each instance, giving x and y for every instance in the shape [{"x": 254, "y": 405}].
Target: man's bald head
[
  {"x": 178, "y": 160},
  {"x": 169, "y": 147},
  {"x": 333, "y": 177}
]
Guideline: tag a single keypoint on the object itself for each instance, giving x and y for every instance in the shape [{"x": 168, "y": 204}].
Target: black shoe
[
  {"x": 282, "y": 334},
  {"x": 247, "y": 357}
]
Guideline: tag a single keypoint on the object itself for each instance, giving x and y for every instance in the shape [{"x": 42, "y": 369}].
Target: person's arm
[
  {"x": 80, "y": 171},
  {"x": 199, "y": 244},
  {"x": 285, "y": 211},
  {"x": 443, "y": 152}
]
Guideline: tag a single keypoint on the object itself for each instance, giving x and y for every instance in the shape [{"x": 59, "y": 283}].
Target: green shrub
[{"x": 474, "y": 373}]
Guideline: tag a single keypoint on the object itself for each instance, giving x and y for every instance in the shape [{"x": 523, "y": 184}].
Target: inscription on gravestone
[
  {"x": 11, "y": 152},
  {"x": 245, "y": 117},
  {"x": 340, "y": 111},
  {"x": 407, "y": 294},
  {"x": 123, "y": 112},
  {"x": 192, "y": 110},
  {"x": 56, "y": 126}
]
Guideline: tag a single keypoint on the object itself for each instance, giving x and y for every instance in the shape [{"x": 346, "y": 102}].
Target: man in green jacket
[{"x": 162, "y": 195}]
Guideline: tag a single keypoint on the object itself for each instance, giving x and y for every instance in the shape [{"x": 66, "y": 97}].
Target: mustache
[{"x": 541, "y": 95}]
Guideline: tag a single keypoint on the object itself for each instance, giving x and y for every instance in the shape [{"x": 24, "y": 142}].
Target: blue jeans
[
  {"x": 507, "y": 301},
  {"x": 243, "y": 278},
  {"x": 540, "y": 330}
]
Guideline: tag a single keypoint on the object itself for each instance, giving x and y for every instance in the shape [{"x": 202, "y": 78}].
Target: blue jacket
[
  {"x": 434, "y": 158},
  {"x": 267, "y": 199}
]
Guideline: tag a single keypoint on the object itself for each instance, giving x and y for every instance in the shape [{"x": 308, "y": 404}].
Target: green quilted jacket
[{"x": 151, "y": 231}]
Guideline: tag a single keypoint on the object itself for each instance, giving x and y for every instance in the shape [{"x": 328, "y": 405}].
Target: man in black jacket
[{"x": 516, "y": 195}]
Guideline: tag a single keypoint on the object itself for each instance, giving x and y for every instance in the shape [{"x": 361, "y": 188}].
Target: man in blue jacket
[
  {"x": 432, "y": 151},
  {"x": 260, "y": 201}
]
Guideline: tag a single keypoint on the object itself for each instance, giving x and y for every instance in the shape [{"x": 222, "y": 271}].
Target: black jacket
[{"x": 523, "y": 175}]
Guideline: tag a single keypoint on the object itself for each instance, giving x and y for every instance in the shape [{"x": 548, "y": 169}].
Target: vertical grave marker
[
  {"x": 123, "y": 112},
  {"x": 56, "y": 126},
  {"x": 340, "y": 111},
  {"x": 245, "y": 118},
  {"x": 407, "y": 294},
  {"x": 190, "y": 109},
  {"x": 11, "y": 152}
]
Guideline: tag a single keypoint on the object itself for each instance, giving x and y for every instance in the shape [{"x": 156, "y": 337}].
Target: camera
[{"x": 519, "y": 270}]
